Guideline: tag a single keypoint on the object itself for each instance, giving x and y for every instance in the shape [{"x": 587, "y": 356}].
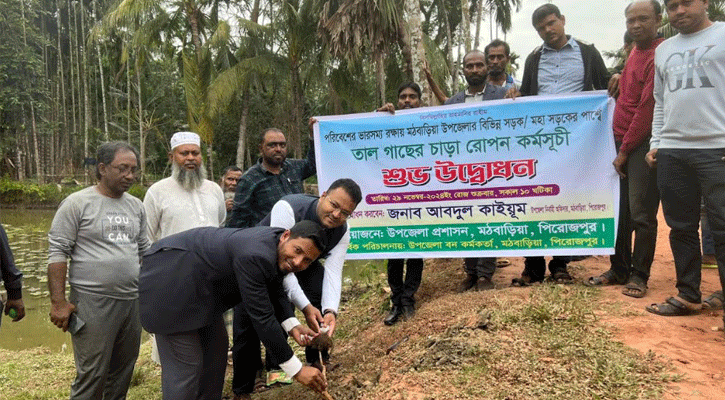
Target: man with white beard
[{"x": 186, "y": 199}]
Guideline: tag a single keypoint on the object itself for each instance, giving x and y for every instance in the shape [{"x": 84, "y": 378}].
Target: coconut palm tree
[{"x": 358, "y": 27}]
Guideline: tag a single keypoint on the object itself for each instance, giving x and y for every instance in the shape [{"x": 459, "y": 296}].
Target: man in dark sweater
[
  {"x": 561, "y": 64},
  {"x": 12, "y": 278}
]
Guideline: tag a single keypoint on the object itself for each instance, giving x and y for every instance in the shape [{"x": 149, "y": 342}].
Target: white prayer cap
[{"x": 180, "y": 138}]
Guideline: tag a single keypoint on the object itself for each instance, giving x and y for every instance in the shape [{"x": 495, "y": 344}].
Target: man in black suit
[{"x": 189, "y": 279}]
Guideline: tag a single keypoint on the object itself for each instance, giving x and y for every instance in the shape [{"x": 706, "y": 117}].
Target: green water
[{"x": 27, "y": 231}]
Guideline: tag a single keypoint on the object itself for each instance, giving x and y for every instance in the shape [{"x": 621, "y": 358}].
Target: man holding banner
[
  {"x": 402, "y": 292},
  {"x": 479, "y": 272},
  {"x": 561, "y": 65}
]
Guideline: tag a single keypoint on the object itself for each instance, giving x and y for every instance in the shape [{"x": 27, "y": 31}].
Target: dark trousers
[
  {"x": 535, "y": 267},
  {"x": 402, "y": 292},
  {"x": 683, "y": 176},
  {"x": 638, "y": 203},
  {"x": 481, "y": 267},
  {"x": 193, "y": 363},
  {"x": 246, "y": 353},
  {"x": 708, "y": 245}
]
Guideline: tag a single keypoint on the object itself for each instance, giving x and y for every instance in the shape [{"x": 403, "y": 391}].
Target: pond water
[{"x": 27, "y": 232}]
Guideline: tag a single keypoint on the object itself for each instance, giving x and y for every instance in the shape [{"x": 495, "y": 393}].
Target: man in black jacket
[
  {"x": 561, "y": 64},
  {"x": 12, "y": 278},
  {"x": 316, "y": 290},
  {"x": 189, "y": 279}
]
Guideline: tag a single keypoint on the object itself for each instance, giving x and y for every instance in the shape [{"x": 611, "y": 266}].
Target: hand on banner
[
  {"x": 613, "y": 86},
  {"x": 512, "y": 93},
  {"x": 310, "y": 124},
  {"x": 389, "y": 107},
  {"x": 651, "y": 158}
]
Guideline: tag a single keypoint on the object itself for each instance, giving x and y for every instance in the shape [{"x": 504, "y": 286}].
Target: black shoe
[
  {"x": 468, "y": 283},
  {"x": 394, "y": 315},
  {"x": 484, "y": 284},
  {"x": 408, "y": 312}
]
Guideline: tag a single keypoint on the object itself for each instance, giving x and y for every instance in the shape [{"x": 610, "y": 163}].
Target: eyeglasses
[
  {"x": 336, "y": 207},
  {"x": 125, "y": 169}
]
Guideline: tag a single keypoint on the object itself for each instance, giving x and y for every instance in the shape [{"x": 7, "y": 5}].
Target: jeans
[
  {"x": 708, "y": 245},
  {"x": 683, "y": 176},
  {"x": 638, "y": 203}
]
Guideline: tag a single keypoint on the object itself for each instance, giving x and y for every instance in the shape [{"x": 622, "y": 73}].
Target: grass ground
[{"x": 545, "y": 342}]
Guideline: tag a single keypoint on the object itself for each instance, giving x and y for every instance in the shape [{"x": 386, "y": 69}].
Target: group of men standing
[
  {"x": 669, "y": 131},
  {"x": 195, "y": 270},
  {"x": 669, "y": 114}
]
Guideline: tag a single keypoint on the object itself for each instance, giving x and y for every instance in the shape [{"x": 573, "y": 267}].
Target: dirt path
[{"x": 688, "y": 343}]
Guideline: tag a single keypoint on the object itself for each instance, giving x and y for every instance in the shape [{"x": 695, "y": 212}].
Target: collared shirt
[
  {"x": 172, "y": 209},
  {"x": 476, "y": 97},
  {"x": 259, "y": 189},
  {"x": 561, "y": 71}
]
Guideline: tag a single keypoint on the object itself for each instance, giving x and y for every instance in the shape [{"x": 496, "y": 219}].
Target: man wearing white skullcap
[{"x": 186, "y": 199}]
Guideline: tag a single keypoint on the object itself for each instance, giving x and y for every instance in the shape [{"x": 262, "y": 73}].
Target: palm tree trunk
[
  {"x": 412, "y": 10},
  {"x": 449, "y": 53},
  {"x": 128, "y": 97},
  {"x": 296, "y": 83},
  {"x": 466, "y": 24},
  {"x": 242, "y": 140},
  {"x": 19, "y": 159},
  {"x": 141, "y": 137},
  {"x": 380, "y": 76},
  {"x": 65, "y": 133},
  {"x": 34, "y": 131},
  {"x": 103, "y": 85},
  {"x": 479, "y": 16},
  {"x": 86, "y": 103}
]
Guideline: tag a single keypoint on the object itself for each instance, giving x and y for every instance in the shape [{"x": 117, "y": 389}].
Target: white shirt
[
  {"x": 283, "y": 216},
  {"x": 171, "y": 209}
]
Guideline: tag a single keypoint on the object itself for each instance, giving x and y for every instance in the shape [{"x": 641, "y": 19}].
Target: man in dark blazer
[
  {"x": 479, "y": 272},
  {"x": 189, "y": 279},
  {"x": 475, "y": 71}
]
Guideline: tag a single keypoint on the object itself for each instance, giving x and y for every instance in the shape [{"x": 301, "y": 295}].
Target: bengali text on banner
[{"x": 531, "y": 176}]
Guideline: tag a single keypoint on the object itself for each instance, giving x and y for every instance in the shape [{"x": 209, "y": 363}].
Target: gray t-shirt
[
  {"x": 689, "y": 91},
  {"x": 104, "y": 239}
]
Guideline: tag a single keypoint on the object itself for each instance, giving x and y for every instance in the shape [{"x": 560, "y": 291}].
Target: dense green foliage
[
  {"x": 74, "y": 74},
  {"x": 27, "y": 193}
]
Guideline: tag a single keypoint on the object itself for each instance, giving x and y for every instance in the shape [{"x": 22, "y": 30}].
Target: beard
[
  {"x": 274, "y": 161},
  {"x": 475, "y": 80},
  {"x": 188, "y": 179}
]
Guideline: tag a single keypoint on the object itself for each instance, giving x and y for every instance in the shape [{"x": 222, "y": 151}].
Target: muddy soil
[{"x": 694, "y": 345}]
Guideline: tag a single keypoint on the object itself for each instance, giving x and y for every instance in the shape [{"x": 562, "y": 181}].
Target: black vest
[{"x": 304, "y": 207}]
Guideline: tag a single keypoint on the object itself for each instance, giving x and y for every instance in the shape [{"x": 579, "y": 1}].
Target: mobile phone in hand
[{"x": 75, "y": 324}]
